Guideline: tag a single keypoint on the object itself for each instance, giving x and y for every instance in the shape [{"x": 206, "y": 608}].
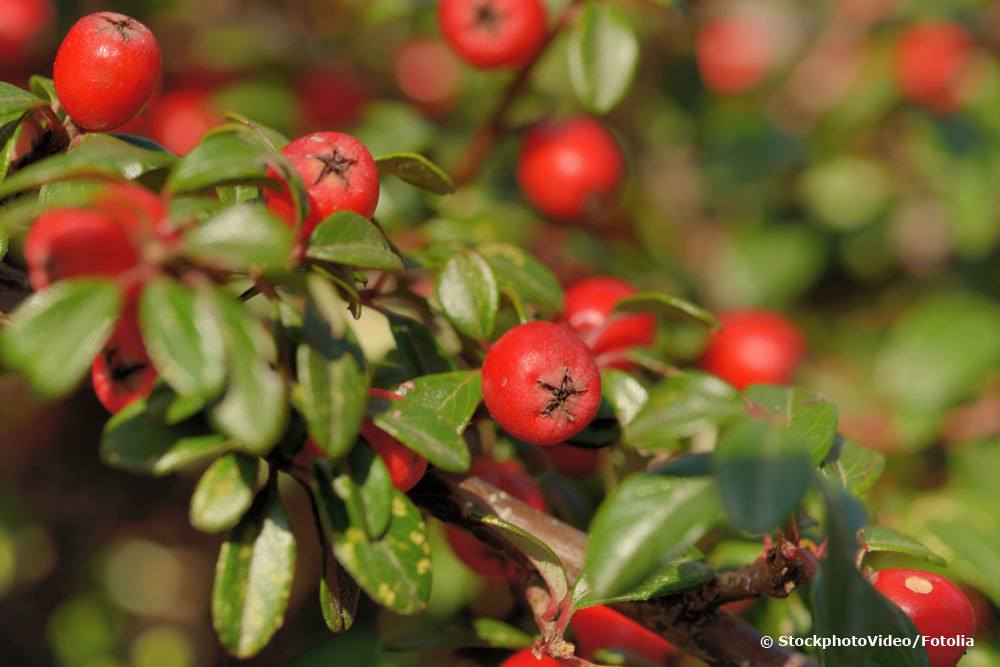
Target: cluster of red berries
[{"x": 933, "y": 61}]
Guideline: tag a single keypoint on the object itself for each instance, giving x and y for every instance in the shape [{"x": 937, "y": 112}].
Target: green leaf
[
  {"x": 418, "y": 347},
  {"x": 518, "y": 271},
  {"x": 182, "y": 338},
  {"x": 643, "y": 524},
  {"x": 539, "y": 554},
  {"x": 846, "y": 605},
  {"x": 469, "y": 295},
  {"x": 853, "y": 466},
  {"x": 680, "y": 407},
  {"x": 253, "y": 577},
  {"x": 453, "y": 396},
  {"x": 762, "y": 473},
  {"x": 240, "y": 238},
  {"x": 802, "y": 412},
  {"x": 14, "y": 102},
  {"x": 291, "y": 183},
  {"x": 220, "y": 158},
  {"x": 366, "y": 490},
  {"x": 881, "y": 538},
  {"x": 254, "y": 409},
  {"x": 332, "y": 377},
  {"x": 4, "y": 242},
  {"x": 266, "y": 137},
  {"x": 603, "y": 53},
  {"x": 422, "y": 430},
  {"x": 44, "y": 88},
  {"x": 673, "y": 577},
  {"x": 225, "y": 492},
  {"x": 54, "y": 335},
  {"x": 667, "y": 305},
  {"x": 97, "y": 155},
  {"x": 139, "y": 439},
  {"x": 338, "y": 596},
  {"x": 416, "y": 170},
  {"x": 348, "y": 238},
  {"x": 625, "y": 394},
  {"x": 394, "y": 570}
]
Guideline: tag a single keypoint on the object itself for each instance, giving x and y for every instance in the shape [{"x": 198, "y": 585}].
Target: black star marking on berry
[
  {"x": 561, "y": 396},
  {"x": 487, "y": 17},
  {"x": 334, "y": 162},
  {"x": 122, "y": 25}
]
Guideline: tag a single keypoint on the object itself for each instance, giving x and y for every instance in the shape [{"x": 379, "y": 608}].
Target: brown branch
[{"x": 691, "y": 619}]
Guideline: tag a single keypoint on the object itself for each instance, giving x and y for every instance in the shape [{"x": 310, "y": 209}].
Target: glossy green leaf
[
  {"x": 347, "y": 238},
  {"x": 422, "y": 430},
  {"x": 453, "y": 396},
  {"x": 535, "y": 551},
  {"x": 469, "y": 295},
  {"x": 338, "y": 596},
  {"x": 253, "y": 577},
  {"x": 225, "y": 492},
  {"x": 267, "y": 137},
  {"x": 518, "y": 271},
  {"x": 882, "y": 538},
  {"x": 15, "y": 102},
  {"x": 43, "y": 87},
  {"x": 673, "y": 577},
  {"x": 853, "y": 466},
  {"x": 762, "y": 473},
  {"x": 625, "y": 394},
  {"x": 418, "y": 348},
  {"x": 220, "y": 158},
  {"x": 643, "y": 524},
  {"x": 603, "y": 53},
  {"x": 416, "y": 170},
  {"x": 240, "y": 238},
  {"x": 182, "y": 338},
  {"x": 670, "y": 306},
  {"x": 680, "y": 407},
  {"x": 54, "y": 335},
  {"x": 366, "y": 489},
  {"x": 800, "y": 411}
]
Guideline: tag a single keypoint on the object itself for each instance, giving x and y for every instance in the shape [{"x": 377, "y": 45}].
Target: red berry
[
  {"x": 122, "y": 372},
  {"x": 734, "y": 54},
  {"x": 493, "y": 33},
  {"x": 935, "y": 605},
  {"x": 428, "y": 74},
  {"x": 597, "y": 628},
  {"x": 511, "y": 478},
  {"x": 754, "y": 346},
  {"x": 525, "y": 658},
  {"x": 21, "y": 21},
  {"x": 931, "y": 60},
  {"x": 142, "y": 214},
  {"x": 573, "y": 461},
  {"x": 570, "y": 169},
  {"x": 331, "y": 98},
  {"x": 540, "y": 383},
  {"x": 339, "y": 174},
  {"x": 406, "y": 467},
  {"x": 179, "y": 119},
  {"x": 106, "y": 69},
  {"x": 587, "y": 311}
]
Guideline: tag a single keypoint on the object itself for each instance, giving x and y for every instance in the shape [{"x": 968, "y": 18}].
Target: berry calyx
[
  {"x": 21, "y": 21},
  {"x": 511, "y": 478},
  {"x": 754, "y": 346},
  {"x": 493, "y": 33},
  {"x": 570, "y": 169},
  {"x": 339, "y": 174},
  {"x": 573, "y": 461},
  {"x": 406, "y": 467},
  {"x": 540, "y": 383},
  {"x": 935, "y": 605},
  {"x": 106, "y": 69},
  {"x": 179, "y": 119},
  {"x": 734, "y": 54},
  {"x": 587, "y": 311},
  {"x": 123, "y": 372},
  {"x": 525, "y": 658},
  {"x": 597, "y": 628},
  {"x": 931, "y": 61}
]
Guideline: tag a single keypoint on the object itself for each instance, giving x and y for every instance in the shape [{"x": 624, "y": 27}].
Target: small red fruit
[
  {"x": 935, "y": 605},
  {"x": 339, "y": 174},
  {"x": 734, "y": 54},
  {"x": 587, "y": 311},
  {"x": 493, "y": 33},
  {"x": 106, "y": 69},
  {"x": 179, "y": 119},
  {"x": 597, "y": 628},
  {"x": 540, "y": 383},
  {"x": 21, "y": 21},
  {"x": 331, "y": 98},
  {"x": 931, "y": 60},
  {"x": 572, "y": 461},
  {"x": 122, "y": 372},
  {"x": 525, "y": 658},
  {"x": 570, "y": 169},
  {"x": 428, "y": 73},
  {"x": 511, "y": 478},
  {"x": 754, "y": 346},
  {"x": 406, "y": 467}
]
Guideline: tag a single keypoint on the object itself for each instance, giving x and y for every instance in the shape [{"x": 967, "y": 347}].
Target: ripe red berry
[
  {"x": 106, "y": 69},
  {"x": 733, "y": 53},
  {"x": 331, "y": 98},
  {"x": 573, "y": 461},
  {"x": 570, "y": 169},
  {"x": 428, "y": 73},
  {"x": 540, "y": 383},
  {"x": 525, "y": 658},
  {"x": 179, "y": 119},
  {"x": 21, "y": 21},
  {"x": 339, "y": 174},
  {"x": 596, "y": 628},
  {"x": 122, "y": 372},
  {"x": 511, "y": 478},
  {"x": 406, "y": 467},
  {"x": 493, "y": 33},
  {"x": 754, "y": 346},
  {"x": 587, "y": 311},
  {"x": 935, "y": 605},
  {"x": 931, "y": 60}
]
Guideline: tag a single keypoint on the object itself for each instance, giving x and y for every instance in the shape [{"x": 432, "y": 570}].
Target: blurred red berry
[
  {"x": 931, "y": 59},
  {"x": 493, "y": 33},
  {"x": 428, "y": 73},
  {"x": 179, "y": 119},
  {"x": 596, "y": 628},
  {"x": 573, "y": 461},
  {"x": 587, "y": 310},
  {"x": 21, "y": 22},
  {"x": 331, "y": 98},
  {"x": 754, "y": 346},
  {"x": 734, "y": 54},
  {"x": 123, "y": 373}
]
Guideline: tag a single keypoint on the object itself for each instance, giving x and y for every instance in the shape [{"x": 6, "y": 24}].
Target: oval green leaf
[
  {"x": 240, "y": 238},
  {"x": 603, "y": 53},
  {"x": 882, "y": 538},
  {"x": 416, "y": 170},
  {"x": 225, "y": 492},
  {"x": 348, "y": 238},
  {"x": 467, "y": 289},
  {"x": 422, "y": 430},
  {"x": 667, "y": 305},
  {"x": 453, "y": 396},
  {"x": 518, "y": 271}
]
